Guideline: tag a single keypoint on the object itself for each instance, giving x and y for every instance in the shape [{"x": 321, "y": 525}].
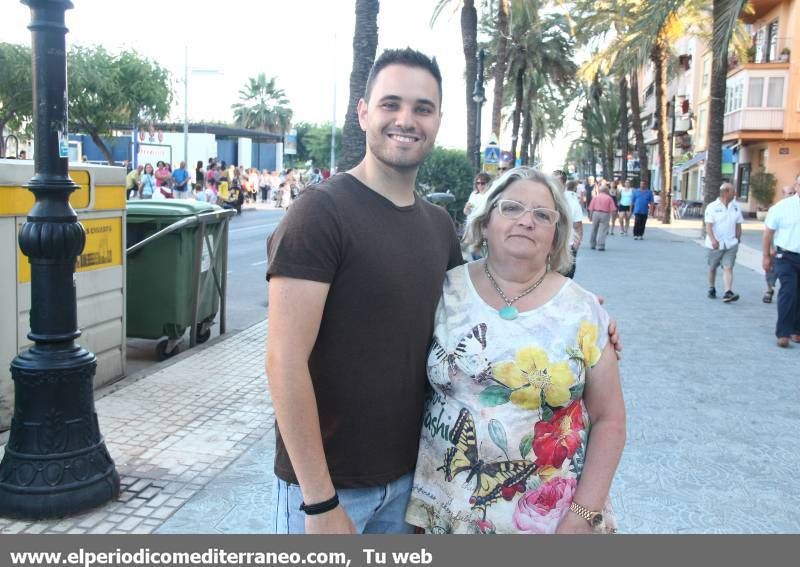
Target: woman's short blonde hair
[{"x": 560, "y": 256}]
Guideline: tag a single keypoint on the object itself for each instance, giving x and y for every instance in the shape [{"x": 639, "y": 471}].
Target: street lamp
[
  {"x": 479, "y": 96},
  {"x": 55, "y": 463}
]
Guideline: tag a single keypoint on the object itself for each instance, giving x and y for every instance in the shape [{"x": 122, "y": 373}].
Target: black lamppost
[
  {"x": 479, "y": 96},
  {"x": 55, "y": 463}
]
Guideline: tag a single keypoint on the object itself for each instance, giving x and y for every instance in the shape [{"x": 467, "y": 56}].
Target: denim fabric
[
  {"x": 788, "y": 269},
  {"x": 373, "y": 510}
]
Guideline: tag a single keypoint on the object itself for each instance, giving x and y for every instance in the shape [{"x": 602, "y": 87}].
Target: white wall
[
  {"x": 201, "y": 147},
  {"x": 245, "y": 152}
]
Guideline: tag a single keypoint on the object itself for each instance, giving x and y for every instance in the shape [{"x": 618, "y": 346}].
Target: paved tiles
[
  {"x": 173, "y": 431},
  {"x": 712, "y": 408}
]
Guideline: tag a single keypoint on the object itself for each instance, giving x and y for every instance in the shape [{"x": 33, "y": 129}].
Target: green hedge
[{"x": 445, "y": 170}]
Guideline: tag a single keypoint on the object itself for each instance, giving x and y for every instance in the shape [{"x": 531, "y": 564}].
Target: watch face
[{"x": 597, "y": 520}]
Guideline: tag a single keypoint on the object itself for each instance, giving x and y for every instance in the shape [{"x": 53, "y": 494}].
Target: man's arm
[
  {"x": 295, "y": 313},
  {"x": 766, "y": 249}
]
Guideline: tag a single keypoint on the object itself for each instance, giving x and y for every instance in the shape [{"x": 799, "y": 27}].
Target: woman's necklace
[{"x": 510, "y": 312}]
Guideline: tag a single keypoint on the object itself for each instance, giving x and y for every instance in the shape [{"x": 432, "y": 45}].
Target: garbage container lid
[{"x": 166, "y": 209}]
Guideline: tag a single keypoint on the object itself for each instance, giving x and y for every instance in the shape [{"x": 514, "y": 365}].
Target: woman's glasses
[{"x": 514, "y": 210}]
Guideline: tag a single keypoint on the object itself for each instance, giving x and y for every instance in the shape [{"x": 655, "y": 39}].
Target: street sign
[{"x": 491, "y": 154}]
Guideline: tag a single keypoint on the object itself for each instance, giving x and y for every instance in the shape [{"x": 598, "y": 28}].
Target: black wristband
[{"x": 320, "y": 507}]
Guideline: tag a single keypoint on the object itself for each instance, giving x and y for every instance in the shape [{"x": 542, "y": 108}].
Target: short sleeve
[
  {"x": 307, "y": 243},
  {"x": 771, "y": 222},
  {"x": 597, "y": 325},
  {"x": 707, "y": 215},
  {"x": 577, "y": 211}
]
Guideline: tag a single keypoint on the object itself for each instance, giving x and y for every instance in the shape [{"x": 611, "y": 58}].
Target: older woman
[{"x": 525, "y": 423}]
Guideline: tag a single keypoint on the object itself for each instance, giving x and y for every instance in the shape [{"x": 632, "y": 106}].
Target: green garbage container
[{"x": 176, "y": 270}]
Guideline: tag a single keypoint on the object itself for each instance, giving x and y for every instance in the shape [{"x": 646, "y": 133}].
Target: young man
[
  {"x": 356, "y": 271},
  {"x": 723, "y": 220},
  {"x": 783, "y": 224}
]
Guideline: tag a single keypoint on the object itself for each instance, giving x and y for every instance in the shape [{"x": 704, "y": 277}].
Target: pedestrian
[
  {"x": 132, "y": 182},
  {"x": 355, "y": 273},
  {"x": 163, "y": 176},
  {"x": 515, "y": 382},
  {"x": 723, "y": 219},
  {"x": 199, "y": 176},
  {"x": 770, "y": 276},
  {"x": 283, "y": 188},
  {"x": 147, "y": 184},
  {"x": 641, "y": 206},
  {"x": 625, "y": 202},
  {"x": 613, "y": 192},
  {"x": 180, "y": 180},
  {"x": 263, "y": 185},
  {"x": 782, "y": 226},
  {"x": 601, "y": 209},
  {"x": 576, "y": 218},
  {"x": 477, "y": 198}
]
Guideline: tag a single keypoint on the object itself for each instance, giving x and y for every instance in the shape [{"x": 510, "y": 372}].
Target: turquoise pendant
[{"x": 508, "y": 312}]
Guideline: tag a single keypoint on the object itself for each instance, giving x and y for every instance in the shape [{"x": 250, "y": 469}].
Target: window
[
  {"x": 706, "y": 73},
  {"x": 755, "y": 91},
  {"x": 772, "y": 41},
  {"x": 702, "y": 126},
  {"x": 760, "y": 44},
  {"x": 775, "y": 92},
  {"x": 743, "y": 187}
]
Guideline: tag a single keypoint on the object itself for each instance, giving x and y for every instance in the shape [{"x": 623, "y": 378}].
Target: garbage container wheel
[
  {"x": 161, "y": 350},
  {"x": 203, "y": 332}
]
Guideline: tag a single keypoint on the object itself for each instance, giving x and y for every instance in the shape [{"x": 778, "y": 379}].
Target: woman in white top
[
  {"x": 525, "y": 423},
  {"x": 475, "y": 204}
]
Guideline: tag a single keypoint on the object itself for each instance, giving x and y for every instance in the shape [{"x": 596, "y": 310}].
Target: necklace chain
[{"x": 508, "y": 301}]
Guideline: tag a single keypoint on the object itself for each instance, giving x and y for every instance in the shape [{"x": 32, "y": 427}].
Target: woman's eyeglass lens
[{"x": 513, "y": 210}]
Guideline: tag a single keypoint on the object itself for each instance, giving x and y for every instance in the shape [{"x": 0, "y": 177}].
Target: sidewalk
[{"x": 712, "y": 409}]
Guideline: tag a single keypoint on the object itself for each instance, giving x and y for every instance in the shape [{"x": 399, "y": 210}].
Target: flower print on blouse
[{"x": 505, "y": 427}]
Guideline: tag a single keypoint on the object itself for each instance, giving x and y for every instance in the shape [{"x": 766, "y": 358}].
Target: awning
[{"x": 696, "y": 159}]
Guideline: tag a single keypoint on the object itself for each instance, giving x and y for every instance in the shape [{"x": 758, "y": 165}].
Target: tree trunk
[
  {"x": 623, "y": 125},
  {"x": 535, "y": 145},
  {"x": 636, "y": 111},
  {"x": 515, "y": 120},
  {"x": 469, "y": 38},
  {"x": 592, "y": 159},
  {"x": 525, "y": 145},
  {"x": 365, "y": 43},
  {"x": 500, "y": 68},
  {"x": 716, "y": 110},
  {"x": 3, "y": 139},
  {"x": 659, "y": 57},
  {"x": 101, "y": 145}
]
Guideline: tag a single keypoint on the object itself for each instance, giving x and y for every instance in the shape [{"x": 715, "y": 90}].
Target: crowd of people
[{"x": 216, "y": 182}]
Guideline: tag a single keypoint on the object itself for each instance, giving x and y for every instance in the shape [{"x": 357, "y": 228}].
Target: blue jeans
[
  {"x": 788, "y": 269},
  {"x": 373, "y": 510}
]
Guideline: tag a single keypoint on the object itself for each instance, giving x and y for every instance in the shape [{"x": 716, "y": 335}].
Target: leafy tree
[
  {"x": 263, "y": 106},
  {"x": 16, "y": 96},
  {"x": 447, "y": 170},
  {"x": 365, "y": 44},
  {"x": 111, "y": 91},
  {"x": 314, "y": 143}
]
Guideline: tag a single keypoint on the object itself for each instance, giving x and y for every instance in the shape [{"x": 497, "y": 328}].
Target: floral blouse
[{"x": 505, "y": 427}]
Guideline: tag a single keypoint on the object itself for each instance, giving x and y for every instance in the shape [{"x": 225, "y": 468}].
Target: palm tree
[
  {"x": 726, "y": 14},
  {"x": 469, "y": 42},
  {"x": 263, "y": 106},
  {"x": 365, "y": 44},
  {"x": 500, "y": 66},
  {"x": 540, "y": 56}
]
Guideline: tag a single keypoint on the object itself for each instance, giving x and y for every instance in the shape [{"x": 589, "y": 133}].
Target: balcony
[{"x": 760, "y": 119}]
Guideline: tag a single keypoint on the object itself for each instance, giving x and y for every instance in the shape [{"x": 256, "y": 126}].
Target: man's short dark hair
[{"x": 408, "y": 57}]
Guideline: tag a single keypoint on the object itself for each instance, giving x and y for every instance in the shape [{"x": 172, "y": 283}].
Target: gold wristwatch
[{"x": 595, "y": 519}]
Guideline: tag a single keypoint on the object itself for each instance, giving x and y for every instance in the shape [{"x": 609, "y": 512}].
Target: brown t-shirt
[{"x": 386, "y": 266}]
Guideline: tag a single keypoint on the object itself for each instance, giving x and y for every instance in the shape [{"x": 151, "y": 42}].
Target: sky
[{"x": 306, "y": 44}]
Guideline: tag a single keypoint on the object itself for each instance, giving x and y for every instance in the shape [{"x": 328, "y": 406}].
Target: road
[{"x": 247, "y": 295}]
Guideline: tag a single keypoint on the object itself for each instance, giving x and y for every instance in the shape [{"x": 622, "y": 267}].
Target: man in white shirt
[
  {"x": 576, "y": 212},
  {"x": 723, "y": 220},
  {"x": 783, "y": 224}
]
